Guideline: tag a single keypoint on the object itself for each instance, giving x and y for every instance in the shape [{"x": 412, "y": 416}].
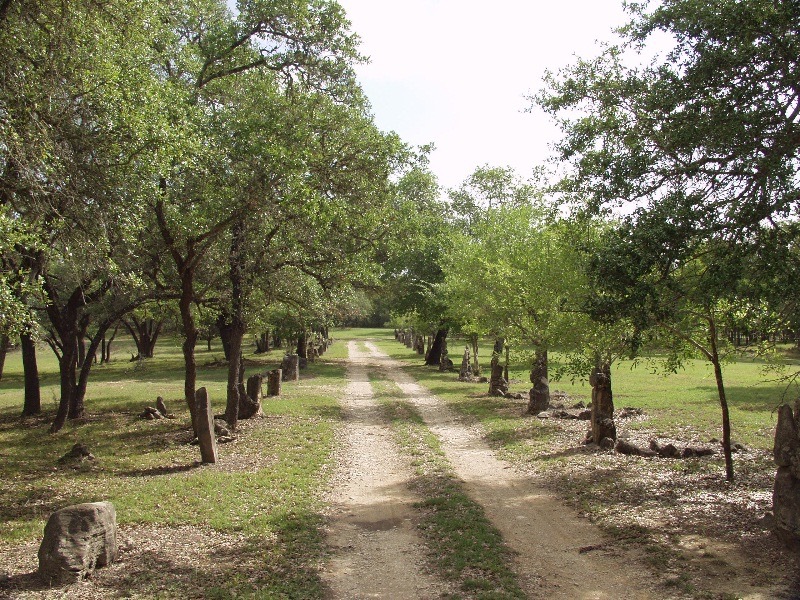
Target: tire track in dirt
[
  {"x": 546, "y": 535},
  {"x": 377, "y": 552}
]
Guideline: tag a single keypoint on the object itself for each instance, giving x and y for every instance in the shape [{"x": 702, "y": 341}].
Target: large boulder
[{"x": 78, "y": 539}]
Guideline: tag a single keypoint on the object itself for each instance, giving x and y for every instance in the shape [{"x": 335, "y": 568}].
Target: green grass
[
  {"x": 647, "y": 504},
  {"x": 684, "y": 403},
  {"x": 265, "y": 489},
  {"x": 463, "y": 545},
  {"x": 265, "y": 492}
]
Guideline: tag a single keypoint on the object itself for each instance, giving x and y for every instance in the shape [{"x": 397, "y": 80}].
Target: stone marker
[
  {"x": 78, "y": 539},
  {"x": 539, "y": 394},
  {"x": 205, "y": 427}
]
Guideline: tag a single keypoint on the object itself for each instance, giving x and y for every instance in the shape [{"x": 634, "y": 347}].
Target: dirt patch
[
  {"x": 174, "y": 562},
  {"x": 376, "y": 550},
  {"x": 546, "y": 536}
]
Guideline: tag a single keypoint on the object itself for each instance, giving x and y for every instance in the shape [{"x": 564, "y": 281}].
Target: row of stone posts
[{"x": 251, "y": 395}]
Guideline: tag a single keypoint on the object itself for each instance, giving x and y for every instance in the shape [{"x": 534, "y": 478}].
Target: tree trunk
[
  {"x": 234, "y": 374},
  {"x": 262, "y": 343},
  {"x": 77, "y": 409},
  {"x": 189, "y": 342},
  {"x": 83, "y": 326},
  {"x": 302, "y": 349},
  {"x": 225, "y": 326},
  {"x": 4, "y": 344},
  {"x": 105, "y": 355},
  {"x": 435, "y": 355},
  {"x": 32, "y": 404},
  {"x": 723, "y": 402},
  {"x": 235, "y": 328},
  {"x": 67, "y": 363},
  {"x": 539, "y": 395},
  {"x": 476, "y": 366},
  {"x": 145, "y": 334}
]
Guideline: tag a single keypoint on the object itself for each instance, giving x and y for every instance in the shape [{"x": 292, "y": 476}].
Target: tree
[
  {"x": 318, "y": 210},
  {"x": 512, "y": 270},
  {"x": 75, "y": 135},
  {"x": 691, "y": 301},
  {"x": 704, "y": 141},
  {"x": 306, "y": 44},
  {"x": 711, "y": 128},
  {"x": 411, "y": 254}
]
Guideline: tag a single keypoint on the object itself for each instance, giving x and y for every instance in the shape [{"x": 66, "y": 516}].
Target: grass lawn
[
  {"x": 259, "y": 504},
  {"x": 254, "y": 520},
  {"x": 694, "y": 529}
]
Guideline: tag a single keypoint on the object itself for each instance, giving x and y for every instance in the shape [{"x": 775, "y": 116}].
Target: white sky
[{"x": 456, "y": 73}]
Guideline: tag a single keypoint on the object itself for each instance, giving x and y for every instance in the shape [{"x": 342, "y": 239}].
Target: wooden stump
[
  {"x": 274, "y": 382},
  {"x": 539, "y": 395},
  {"x": 205, "y": 427},
  {"x": 250, "y": 401},
  {"x": 602, "y": 405},
  {"x": 465, "y": 374},
  {"x": 291, "y": 367}
]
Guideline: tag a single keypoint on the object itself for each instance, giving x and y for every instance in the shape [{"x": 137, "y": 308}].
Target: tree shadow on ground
[
  {"x": 198, "y": 562},
  {"x": 163, "y": 470}
]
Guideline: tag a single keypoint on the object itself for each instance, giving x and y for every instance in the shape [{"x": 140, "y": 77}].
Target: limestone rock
[
  {"x": 629, "y": 413},
  {"x": 221, "y": 428},
  {"x": 78, "y": 539},
  {"x": 607, "y": 443},
  {"x": 693, "y": 452},
  {"x": 666, "y": 450},
  {"x": 625, "y": 447},
  {"x": 465, "y": 373},
  {"x": 151, "y": 414},
  {"x": 162, "y": 407},
  {"x": 538, "y": 399},
  {"x": 205, "y": 427},
  {"x": 274, "y": 378},
  {"x": 602, "y": 404},
  {"x": 77, "y": 454}
]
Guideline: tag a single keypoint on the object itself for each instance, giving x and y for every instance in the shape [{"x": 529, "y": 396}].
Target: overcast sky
[{"x": 456, "y": 72}]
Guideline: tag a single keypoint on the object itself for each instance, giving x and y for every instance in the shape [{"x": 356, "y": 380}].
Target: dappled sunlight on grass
[
  {"x": 256, "y": 511},
  {"x": 657, "y": 504}
]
